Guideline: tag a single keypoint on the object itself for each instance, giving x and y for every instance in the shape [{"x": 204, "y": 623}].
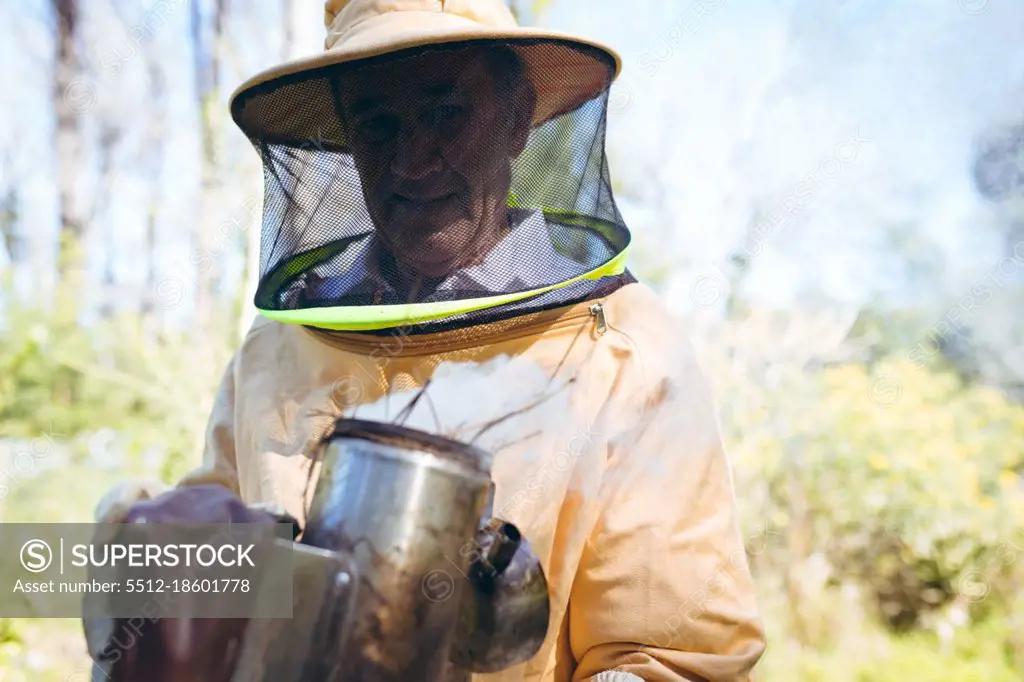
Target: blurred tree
[
  {"x": 998, "y": 169},
  {"x": 69, "y": 98},
  {"x": 207, "y": 50},
  {"x": 110, "y": 134},
  {"x": 529, "y": 11},
  {"x": 152, "y": 162},
  {"x": 842, "y": 456},
  {"x": 247, "y": 309},
  {"x": 9, "y": 224}
]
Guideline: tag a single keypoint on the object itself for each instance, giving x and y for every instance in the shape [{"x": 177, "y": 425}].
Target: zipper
[
  {"x": 454, "y": 340},
  {"x": 597, "y": 311},
  {"x": 411, "y": 346}
]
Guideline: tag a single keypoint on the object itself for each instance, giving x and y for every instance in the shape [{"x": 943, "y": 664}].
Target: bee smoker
[
  {"x": 399, "y": 572},
  {"x": 441, "y": 592}
]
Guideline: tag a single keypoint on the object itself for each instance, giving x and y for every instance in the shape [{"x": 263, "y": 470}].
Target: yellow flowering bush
[{"x": 906, "y": 480}]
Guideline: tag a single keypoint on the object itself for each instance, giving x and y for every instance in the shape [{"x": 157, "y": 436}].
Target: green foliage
[
  {"x": 905, "y": 477},
  {"x": 50, "y": 650},
  {"x": 101, "y": 403},
  {"x": 973, "y": 654},
  {"x": 892, "y": 492},
  {"x": 150, "y": 390}
]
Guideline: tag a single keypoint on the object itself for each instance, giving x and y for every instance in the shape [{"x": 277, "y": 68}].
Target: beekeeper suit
[{"x": 437, "y": 195}]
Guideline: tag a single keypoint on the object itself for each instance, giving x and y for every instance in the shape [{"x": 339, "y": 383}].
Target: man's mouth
[{"x": 423, "y": 201}]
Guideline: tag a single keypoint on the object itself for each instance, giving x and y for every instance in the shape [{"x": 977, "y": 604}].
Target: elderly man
[
  {"x": 439, "y": 205},
  {"x": 438, "y": 176}
]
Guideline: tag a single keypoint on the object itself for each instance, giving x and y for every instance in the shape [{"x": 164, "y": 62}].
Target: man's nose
[{"x": 418, "y": 155}]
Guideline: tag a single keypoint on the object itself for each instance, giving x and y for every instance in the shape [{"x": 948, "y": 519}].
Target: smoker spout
[
  {"x": 503, "y": 617},
  {"x": 504, "y": 542}
]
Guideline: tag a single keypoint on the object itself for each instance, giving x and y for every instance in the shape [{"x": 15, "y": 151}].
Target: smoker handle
[
  {"x": 305, "y": 647},
  {"x": 338, "y": 613}
]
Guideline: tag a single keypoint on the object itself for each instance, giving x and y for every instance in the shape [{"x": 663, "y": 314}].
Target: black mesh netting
[{"x": 448, "y": 174}]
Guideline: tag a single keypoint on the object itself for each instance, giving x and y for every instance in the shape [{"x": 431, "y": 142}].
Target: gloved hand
[
  {"x": 195, "y": 504},
  {"x": 175, "y": 649}
]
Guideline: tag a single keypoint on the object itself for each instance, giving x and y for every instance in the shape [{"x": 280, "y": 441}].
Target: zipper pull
[{"x": 597, "y": 310}]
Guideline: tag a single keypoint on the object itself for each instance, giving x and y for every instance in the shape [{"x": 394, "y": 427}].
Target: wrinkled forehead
[{"x": 422, "y": 77}]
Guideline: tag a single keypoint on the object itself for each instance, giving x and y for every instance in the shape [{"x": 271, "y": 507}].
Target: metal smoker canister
[{"x": 404, "y": 504}]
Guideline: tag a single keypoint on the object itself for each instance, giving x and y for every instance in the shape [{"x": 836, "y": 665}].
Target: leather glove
[{"x": 176, "y": 649}]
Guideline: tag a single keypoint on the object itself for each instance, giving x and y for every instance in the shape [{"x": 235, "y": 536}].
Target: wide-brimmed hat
[
  {"x": 285, "y": 104},
  {"x": 326, "y": 259}
]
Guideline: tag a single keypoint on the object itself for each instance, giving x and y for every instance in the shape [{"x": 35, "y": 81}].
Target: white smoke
[
  {"x": 463, "y": 399},
  {"x": 729, "y": 113}
]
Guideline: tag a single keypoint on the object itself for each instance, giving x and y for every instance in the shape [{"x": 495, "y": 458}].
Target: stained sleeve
[{"x": 664, "y": 591}]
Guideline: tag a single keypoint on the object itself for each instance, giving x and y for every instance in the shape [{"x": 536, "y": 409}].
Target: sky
[{"x": 841, "y": 132}]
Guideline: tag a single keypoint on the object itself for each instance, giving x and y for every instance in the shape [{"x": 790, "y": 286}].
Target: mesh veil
[{"x": 437, "y": 187}]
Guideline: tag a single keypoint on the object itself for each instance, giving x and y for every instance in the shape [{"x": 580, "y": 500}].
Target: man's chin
[
  {"x": 431, "y": 246},
  {"x": 430, "y": 264}
]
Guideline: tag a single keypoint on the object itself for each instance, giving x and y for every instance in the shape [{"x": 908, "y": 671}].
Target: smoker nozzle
[
  {"x": 504, "y": 617},
  {"x": 504, "y": 545}
]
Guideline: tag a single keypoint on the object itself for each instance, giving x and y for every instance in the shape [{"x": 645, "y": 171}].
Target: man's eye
[{"x": 378, "y": 128}]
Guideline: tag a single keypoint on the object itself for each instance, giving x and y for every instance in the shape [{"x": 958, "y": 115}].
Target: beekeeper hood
[{"x": 437, "y": 164}]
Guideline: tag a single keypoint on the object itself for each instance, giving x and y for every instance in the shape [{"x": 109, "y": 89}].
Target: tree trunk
[
  {"x": 154, "y": 165},
  {"x": 70, "y": 98},
  {"x": 108, "y": 286},
  {"x": 206, "y": 256},
  {"x": 247, "y": 308},
  {"x": 9, "y": 226}
]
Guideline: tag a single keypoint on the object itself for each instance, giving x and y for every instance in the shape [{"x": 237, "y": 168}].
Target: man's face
[{"x": 432, "y": 138}]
